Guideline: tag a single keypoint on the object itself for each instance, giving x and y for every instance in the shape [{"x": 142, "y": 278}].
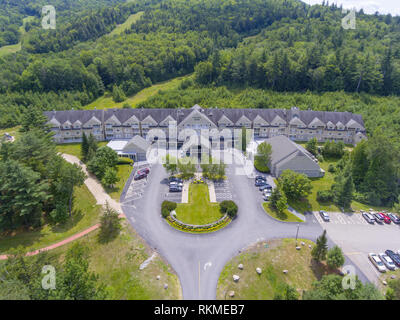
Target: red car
[
  {"x": 143, "y": 171},
  {"x": 385, "y": 217}
]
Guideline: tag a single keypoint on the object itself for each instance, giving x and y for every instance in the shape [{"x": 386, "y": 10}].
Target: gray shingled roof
[
  {"x": 283, "y": 148},
  {"x": 214, "y": 114}
]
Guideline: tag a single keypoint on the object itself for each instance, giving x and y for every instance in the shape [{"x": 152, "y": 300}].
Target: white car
[
  {"x": 387, "y": 261},
  {"x": 377, "y": 262},
  {"x": 324, "y": 215}
]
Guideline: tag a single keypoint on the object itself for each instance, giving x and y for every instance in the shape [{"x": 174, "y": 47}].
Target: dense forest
[{"x": 245, "y": 53}]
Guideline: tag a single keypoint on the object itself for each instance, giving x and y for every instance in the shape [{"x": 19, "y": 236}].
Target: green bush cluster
[
  {"x": 261, "y": 168},
  {"x": 123, "y": 160},
  {"x": 167, "y": 207},
  {"x": 325, "y": 196},
  {"x": 229, "y": 207}
]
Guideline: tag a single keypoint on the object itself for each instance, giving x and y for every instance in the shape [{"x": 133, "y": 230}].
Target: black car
[
  {"x": 394, "y": 256},
  {"x": 260, "y": 183},
  {"x": 175, "y": 179},
  {"x": 378, "y": 218},
  {"x": 265, "y": 187},
  {"x": 394, "y": 218},
  {"x": 261, "y": 178}
]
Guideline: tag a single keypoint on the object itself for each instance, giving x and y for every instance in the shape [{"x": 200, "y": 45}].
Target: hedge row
[{"x": 198, "y": 229}]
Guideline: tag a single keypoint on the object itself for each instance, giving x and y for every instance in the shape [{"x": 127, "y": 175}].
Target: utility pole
[{"x": 297, "y": 233}]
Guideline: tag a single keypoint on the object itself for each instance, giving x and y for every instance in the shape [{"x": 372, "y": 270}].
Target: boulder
[
  {"x": 158, "y": 277},
  {"x": 302, "y": 243},
  {"x": 165, "y": 286},
  {"x": 258, "y": 270},
  {"x": 240, "y": 266},
  {"x": 236, "y": 278},
  {"x": 231, "y": 294},
  {"x": 285, "y": 271},
  {"x": 309, "y": 246},
  {"x": 393, "y": 276},
  {"x": 298, "y": 248},
  {"x": 384, "y": 282}
]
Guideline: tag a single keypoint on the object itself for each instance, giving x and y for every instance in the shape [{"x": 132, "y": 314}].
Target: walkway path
[{"x": 101, "y": 197}]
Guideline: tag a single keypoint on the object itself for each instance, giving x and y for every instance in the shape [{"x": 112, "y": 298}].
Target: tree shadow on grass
[
  {"x": 321, "y": 269},
  {"x": 72, "y": 221},
  {"x": 106, "y": 237}
]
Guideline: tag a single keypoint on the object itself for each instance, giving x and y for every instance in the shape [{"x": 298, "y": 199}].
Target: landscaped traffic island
[
  {"x": 285, "y": 216},
  {"x": 199, "y": 215}
]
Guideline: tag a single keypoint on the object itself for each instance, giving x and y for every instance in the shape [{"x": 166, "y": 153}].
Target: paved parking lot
[
  {"x": 357, "y": 238},
  {"x": 136, "y": 189},
  {"x": 173, "y": 196},
  {"x": 223, "y": 190}
]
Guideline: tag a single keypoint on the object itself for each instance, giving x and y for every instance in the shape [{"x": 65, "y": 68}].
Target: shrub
[
  {"x": 167, "y": 207},
  {"x": 324, "y": 196},
  {"x": 259, "y": 167},
  {"x": 331, "y": 168},
  {"x": 320, "y": 158},
  {"x": 229, "y": 207},
  {"x": 123, "y": 160}
]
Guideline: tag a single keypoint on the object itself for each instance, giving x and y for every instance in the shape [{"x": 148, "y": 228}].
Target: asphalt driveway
[{"x": 199, "y": 259}]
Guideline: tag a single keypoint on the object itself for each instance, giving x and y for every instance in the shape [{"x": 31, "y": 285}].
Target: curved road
[{"x": 199, "y": 259}]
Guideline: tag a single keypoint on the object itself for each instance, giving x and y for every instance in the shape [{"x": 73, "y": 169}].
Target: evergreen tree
[
  {"x": 320, "y": 250},
  {"x": 84, "y": 147}
]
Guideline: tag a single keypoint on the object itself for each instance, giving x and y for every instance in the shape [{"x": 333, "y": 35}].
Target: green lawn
[
  {"x": 124, "y": 171},
  {"x": 127, "y": 24},
  {"x": 75, "y": 148},
  {"x": 106, "y": 101},
  {"x": 117, "y": 264},
  {"x": 14, "y": 131},
  {"x": 16, "y": 47},
  {"x": 285, "y": 216},
  {"x": 199, "y": 210},
  {"x": 325, "y": 183},
  {"x": 280, "y": 255},
  {"x": 85, "y": 214}
]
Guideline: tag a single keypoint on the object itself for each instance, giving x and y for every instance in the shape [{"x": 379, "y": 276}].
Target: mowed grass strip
[
  {"x": 106, "y": 101},
  {"x": 199, "y": 210},
  {"x": 286, "y": 216},
  {"x": 13, "y": 48},
  {"x": 84, "y": 215},
  {"x": 127, "y": 24},
  {"x": 281, "y": 254}
]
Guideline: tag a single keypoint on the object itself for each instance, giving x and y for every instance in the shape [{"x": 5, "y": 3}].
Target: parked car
[
  {"x": 261, "y": 178},
  {"x": 267, "y": 197},
  {"x": 377, "y": 262},
  {"x": 140, "y": 176},
  {"x": 387, "y": 261},
  {"x": 385, "y": 217},
  {"x": 265, "y": 187},
  {"x": 176, "y": 182},
  {"x": 325, "y": 216},
  {"x": 267, "y": 191},
  {"x": 260, "y": 183},
  {"x": 145, "y": 170},
  {"x": 394, "y": 218},
  {"x": 394, "y": 256},
  {"x": 378, "y": 218},
  {"x": 368, "y": 217},
  {"x": 175, "y": 187}
]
